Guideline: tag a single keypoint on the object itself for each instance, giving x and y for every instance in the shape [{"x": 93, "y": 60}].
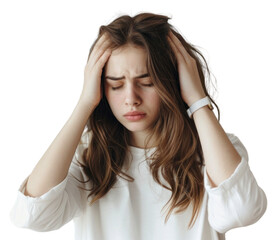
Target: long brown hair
[{"x": 178, "y": 156}]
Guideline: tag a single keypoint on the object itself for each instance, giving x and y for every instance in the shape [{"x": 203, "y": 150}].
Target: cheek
[
  {"x": 155, "y": 101},
  {"x": 114, "y": 102}
]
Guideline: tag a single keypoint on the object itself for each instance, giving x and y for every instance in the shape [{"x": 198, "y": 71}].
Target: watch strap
[{"x": 199, "y": 104}]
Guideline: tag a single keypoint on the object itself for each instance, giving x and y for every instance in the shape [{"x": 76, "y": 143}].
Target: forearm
[
  {"x": 54, "y": 164},
  {"x": 221, "y": 158}
]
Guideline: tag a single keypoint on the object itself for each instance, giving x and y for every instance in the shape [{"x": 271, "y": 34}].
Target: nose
[{"x": 132, "y": 97}]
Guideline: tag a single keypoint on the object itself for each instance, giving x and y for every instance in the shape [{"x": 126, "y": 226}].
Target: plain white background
[{"x": 43, "y": 51}]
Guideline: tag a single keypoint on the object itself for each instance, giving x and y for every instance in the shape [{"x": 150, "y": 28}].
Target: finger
[
  {"x": 178, "y": 45},
  {"x": 99, "y": 52},
  {"x": 103, "y": 39},
  {"x": 176, "y": 51},
  {"x": 103, "y": 59},
  {"x": 96, "y": 70},
  {"x": 99, "y": 42}
]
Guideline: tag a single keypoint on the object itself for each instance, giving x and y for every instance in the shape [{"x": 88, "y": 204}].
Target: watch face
[{"x": 210, "y": 106}]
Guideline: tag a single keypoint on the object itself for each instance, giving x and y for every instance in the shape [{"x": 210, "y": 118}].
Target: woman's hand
[
  {"x": 190, "y": 84},
  {"x": 91, "y": 93}
]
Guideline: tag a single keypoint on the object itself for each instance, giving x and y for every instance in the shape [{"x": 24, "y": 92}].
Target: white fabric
[{"x": 132, "y": 210}]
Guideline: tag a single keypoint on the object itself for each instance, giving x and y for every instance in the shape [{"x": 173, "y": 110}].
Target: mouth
[{"x": 135, "y": 116}]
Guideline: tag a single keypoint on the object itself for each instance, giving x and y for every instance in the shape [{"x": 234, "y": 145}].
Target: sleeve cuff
[
  {"x": 237, "y": 174},
  {"x": 229, "y": 182},
  {"x": 50, "y": 195}
]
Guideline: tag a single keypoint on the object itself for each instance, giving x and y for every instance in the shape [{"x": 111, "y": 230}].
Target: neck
[{"x": 138, "y": 139}]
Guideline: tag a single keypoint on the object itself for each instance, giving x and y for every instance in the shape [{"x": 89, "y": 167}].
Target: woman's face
[{"x": 129, "y": 90}]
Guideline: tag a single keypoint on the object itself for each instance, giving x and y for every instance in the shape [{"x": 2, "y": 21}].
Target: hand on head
[
  {"x": 91, "y": 93},
  {"x": 190, "y": 83}
]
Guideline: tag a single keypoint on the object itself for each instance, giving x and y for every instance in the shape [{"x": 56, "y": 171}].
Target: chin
[{"x": 135, "y": 128}]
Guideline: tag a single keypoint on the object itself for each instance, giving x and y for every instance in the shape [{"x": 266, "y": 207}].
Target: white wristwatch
[{"x": 199, "y": 104}]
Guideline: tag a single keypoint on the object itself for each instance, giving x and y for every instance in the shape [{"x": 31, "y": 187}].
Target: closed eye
[
  {"x": 147, "y": 85},
  {"x": 114, "y": 88}
]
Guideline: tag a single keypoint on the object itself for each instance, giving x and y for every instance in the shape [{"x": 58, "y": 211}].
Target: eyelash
[
  {"x": 145, "y": 85},
  {"x": 114, "y": 88}
]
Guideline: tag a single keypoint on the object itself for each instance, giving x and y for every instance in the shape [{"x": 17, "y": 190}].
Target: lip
[{"x": 135, "y": 115}]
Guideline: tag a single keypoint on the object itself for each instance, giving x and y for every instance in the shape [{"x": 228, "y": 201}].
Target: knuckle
[
  {"x": 96, "y": 47},
  {"x": 191, "y": 61},
  {"x": 100, "y": 63}
]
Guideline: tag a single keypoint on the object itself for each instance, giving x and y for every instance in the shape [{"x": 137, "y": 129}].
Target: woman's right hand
[{"x": 91, "y": 93}]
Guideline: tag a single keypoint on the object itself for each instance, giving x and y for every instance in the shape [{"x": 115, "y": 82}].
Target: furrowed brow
[
  {"x": 120, "y": 78},
  {"x": 143, "y": 75},
  {"x": 114, "y": 78}
]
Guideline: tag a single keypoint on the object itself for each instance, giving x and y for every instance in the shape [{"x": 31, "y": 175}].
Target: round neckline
[{"x": 141, "y": 151}]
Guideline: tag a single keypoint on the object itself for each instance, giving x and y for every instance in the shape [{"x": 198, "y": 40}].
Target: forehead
[{"x": 128, "y": 59}]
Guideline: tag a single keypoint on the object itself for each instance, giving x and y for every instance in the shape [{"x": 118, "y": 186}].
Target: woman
[{"x": 151, "y": 142}]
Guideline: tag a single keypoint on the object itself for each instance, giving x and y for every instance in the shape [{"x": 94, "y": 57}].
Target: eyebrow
[{"x": 120, "y": 78}]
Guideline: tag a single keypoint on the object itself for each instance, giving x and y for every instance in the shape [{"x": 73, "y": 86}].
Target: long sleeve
[
  {"x": 238, "y": 201},
  {"x": 54, "y": 208}
]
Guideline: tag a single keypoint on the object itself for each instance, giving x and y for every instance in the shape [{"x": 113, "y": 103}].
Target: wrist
[
  {"x": 203, "y": 102},
  {"x": 85, "y": 108},
  {"x": 193, "y": 99}
]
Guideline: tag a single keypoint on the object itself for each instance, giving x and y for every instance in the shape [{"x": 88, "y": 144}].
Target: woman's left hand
[{"x": 190, "y": 84}]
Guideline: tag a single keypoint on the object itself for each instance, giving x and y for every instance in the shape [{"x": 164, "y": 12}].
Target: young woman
[{"x": 153, "y": 161}]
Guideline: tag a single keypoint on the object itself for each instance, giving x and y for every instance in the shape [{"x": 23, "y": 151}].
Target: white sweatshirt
[{"x": 132, "y": 210}]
